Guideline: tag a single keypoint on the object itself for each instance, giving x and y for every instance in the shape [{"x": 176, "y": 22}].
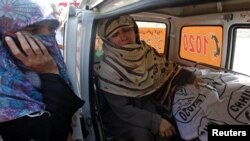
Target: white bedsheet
[{"x": 224, "y": 98}]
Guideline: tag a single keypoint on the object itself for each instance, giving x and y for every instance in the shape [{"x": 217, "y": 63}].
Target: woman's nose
[{"x": 123, "y": 36}]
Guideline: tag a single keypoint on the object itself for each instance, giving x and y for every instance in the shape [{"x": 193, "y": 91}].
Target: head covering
[
  {"x": 133, "y": 70},
  {"x": 107, "y": 27},
  {"x": 19, "y": 94},
  {"x": 17, "y": 14}
]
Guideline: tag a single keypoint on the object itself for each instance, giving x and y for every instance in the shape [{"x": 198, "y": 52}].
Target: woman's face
[{"x": 123, "y": 36}]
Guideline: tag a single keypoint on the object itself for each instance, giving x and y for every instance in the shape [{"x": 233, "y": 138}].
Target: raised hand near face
[{"x": 35, "y": 56}]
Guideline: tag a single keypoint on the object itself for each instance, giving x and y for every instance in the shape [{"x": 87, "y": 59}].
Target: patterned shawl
[
  {"x": 134, "y": 70},
  {"x": 19, "y": 86}
]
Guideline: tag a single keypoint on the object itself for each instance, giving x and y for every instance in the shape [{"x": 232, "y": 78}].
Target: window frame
[{"x": 232, "y": 44}]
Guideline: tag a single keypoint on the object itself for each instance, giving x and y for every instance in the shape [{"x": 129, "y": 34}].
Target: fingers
[
  {"x": 28, "y": 44},
  {"x": 166, "y": 129},
  {"x": 197, "y": 82},
  {"x": 42, "y": 47},
  {"x": 34, "y": 56},
  {"x": 14, "y": 49},
  {"x": 168, "y": 132}
]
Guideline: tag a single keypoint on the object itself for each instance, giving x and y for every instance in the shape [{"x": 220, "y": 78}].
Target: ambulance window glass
[
  {"x": 241, "y": 51},
  {"x": 154, "y": 34},
  {"x": 202, "y": 44}
]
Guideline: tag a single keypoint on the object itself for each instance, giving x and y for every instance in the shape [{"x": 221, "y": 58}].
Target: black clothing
[
  {"x": 26, "y": 128},
  {"x": 134, "y": 119},
  {"x": 61, "y": 102},
  {"x": 55, "y": 125}
]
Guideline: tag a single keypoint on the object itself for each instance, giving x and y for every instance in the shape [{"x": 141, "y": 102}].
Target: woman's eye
[
  {"x": 126, "y": 29},
  {"x": 114, "y": 35},
  {"x": 32, "y": 30},
  {"x": 35, "y": 30}
]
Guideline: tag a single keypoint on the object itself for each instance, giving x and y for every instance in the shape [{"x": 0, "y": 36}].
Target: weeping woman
[{"x": 137, "y": 83}]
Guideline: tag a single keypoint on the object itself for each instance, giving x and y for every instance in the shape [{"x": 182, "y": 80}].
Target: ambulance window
[
  {"x": 241, "y": 51},
  {"x": 154, "y": 34},
  {"x": 202, "y": 44}
]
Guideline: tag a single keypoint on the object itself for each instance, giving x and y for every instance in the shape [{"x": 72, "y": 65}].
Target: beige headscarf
[
  {"x": 133, "y": 70},
  {"x": 107, "y": 27}
]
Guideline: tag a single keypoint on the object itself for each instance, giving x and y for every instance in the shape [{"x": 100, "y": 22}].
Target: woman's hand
[
  {"x": 166, "y": 128},
  {"x": 37, "y": 57},
  {"x": 197, "y": 82}
]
